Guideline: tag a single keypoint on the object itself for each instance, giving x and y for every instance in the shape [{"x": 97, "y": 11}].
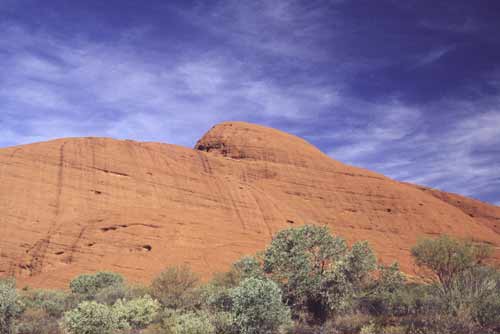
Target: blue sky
[{"x": 408, "y": 88}]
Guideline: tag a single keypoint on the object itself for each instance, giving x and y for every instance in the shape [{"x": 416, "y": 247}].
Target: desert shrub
[
  {"x": 475, "y": 296},
  {"x": 175, "y": 288},
  {"x": 383, "y": 295},
  {"x": 224, "y": 323},
  {"x": 110, "y": 294},
  {"x": 347, "y": 323},
  {"x": 247, "y": 267},
  {"x": 467, "y": 291},
  {"x": 258, "y": 308},
  {"x": 8, "y": 305},
  {"x": 371, "y": 328},
  {"x": 164, "y": 322},
  {"x": 394, "y": 330},
  {"x": 53, "y": 302},
  {"x": 447, "y": 258},
  {"x": 317, "y": 272},
  {"x": 488, "y": 312},
  {"x": 89, "y": 285},
  {"x": 217, "y": 299},
  {"x": 227, "y": 279},
  {"x": 134, "y": 291},
  {"x": 193, "y": 323},
  {"x": 137, "y": 313},
  {"x": 37, "y": 321},
  {"x": 216, "y": 295},
  {"x": 92, "y": 318}
]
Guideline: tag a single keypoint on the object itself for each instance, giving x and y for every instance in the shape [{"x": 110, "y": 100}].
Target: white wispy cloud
[
  {"x": 458, "y": 155},
  {"x": 281, "y": 28},
  {"x": 87, "y": 88},
  {"x": 433, "y": 55}
]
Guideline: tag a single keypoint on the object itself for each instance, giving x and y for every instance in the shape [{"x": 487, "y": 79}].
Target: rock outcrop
[{"x": 77, "y": 205}]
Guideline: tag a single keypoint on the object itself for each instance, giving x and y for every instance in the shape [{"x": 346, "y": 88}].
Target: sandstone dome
[{"x": 75, "y": 205}]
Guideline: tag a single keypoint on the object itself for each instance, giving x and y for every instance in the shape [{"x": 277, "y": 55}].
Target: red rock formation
[{"x": 84, "y": 204}]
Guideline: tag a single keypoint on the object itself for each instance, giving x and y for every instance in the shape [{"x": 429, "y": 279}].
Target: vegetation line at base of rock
[{"x": 306, "y": 281}]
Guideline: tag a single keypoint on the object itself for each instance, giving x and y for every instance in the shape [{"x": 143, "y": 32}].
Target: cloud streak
[
  {"x": 401, "y": 90},
  {"x": 459, "y": 155},
  {"x": 79, "y": 88}
]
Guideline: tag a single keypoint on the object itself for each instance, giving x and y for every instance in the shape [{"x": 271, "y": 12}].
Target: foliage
[
  {"x": 175, "y": 288},
  {"x": 37, "y": 321},
  {"x": 53, "y": 302},
  {"x": 89, "y": 285},
  {"x": 316, "y": 271},
  {"x": 136, "y": 291},
  {"x": 304, "y": 270},
  {"x": 224, "y": 323},
  {"x": 193, "y": 323},
  {"x": 447, "y": 258},
  {"x": 467, "y": 292},
  {"x": 92, "y": 318},
  {"x": 8, "y": 305},
  {"x": 369, "y": 329},
  {"x": 137, "y": 313},
  {"x": 247, "y": 267},
  {"x": 110, "y": 294},
  {"x": 217, "y": 299},
  {"x": 475, "y": 294},
  {"x": 383, "y": 295},
  {"x": 257, "y": 307}
]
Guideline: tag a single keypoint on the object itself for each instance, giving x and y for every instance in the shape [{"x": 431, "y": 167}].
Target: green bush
[
  {"x": 257, "y": 307},
  {"x": 371, "y": 328},
  {"x": 8, "y": 305},
  {"x": 384, "y": 295},
  {"x": 92, "y": 318},
  {"x": 475, "y": 296},
  {"x": 37, "y": 321},
  {"x": 89, "y": 285},
  {"x": 53, "y": 302},
  {"x": 137, "y": 313},
  {"x": 110, "y": 294},
  {"x": 175, "y": 288},
  {"x": 447, "y": 258},
  {"x": 224, "y": 323},
  {"x": 347, "y": 323},
  {"x": 317, "y": 272},
  {"x": 247, "y": 267},
  {"x": 193, "y": 323},
  {"x": 217, "y": 293},
  {"x": 467, "y": 291},
  {"x": 217, "y": 299}
]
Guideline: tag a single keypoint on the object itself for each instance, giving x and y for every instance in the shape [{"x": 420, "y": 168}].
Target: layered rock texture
[{"x": 78, "y": 205}]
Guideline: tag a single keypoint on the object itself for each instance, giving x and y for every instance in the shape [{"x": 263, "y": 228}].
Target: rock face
[{"x": 77, "y": 205}]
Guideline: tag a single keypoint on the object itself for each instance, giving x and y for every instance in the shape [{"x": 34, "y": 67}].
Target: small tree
[
  {"x": 448, "y": 258},
  {"x": 8, "y": 306},
  {"x": 258, "y": 307},
  {"x": 317, "y": 272},
  {"x": 175, "y": 287},
  {"x": 467, "y": 289}
]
